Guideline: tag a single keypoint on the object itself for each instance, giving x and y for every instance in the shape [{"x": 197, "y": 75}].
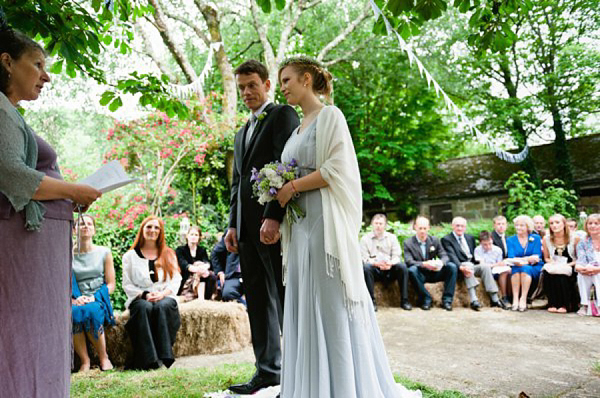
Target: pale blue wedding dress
[{"x": 326, "y": 353}]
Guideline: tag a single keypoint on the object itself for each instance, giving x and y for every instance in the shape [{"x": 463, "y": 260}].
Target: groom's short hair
[{"x": 253, "y": 66}]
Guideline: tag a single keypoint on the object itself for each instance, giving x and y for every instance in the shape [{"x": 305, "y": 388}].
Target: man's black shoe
[
  {"x": 447, "y": 306},
  {"x": 406, "y": 306},
  {"x": 258, "y": 382},
  {"x": 499, "y": 304},
  {"x": 475, "y": 305},
  {"x": 426, "y": 307},
  {"x": 374, "y": 307}
]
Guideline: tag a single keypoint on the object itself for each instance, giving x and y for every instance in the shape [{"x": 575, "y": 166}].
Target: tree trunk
[
  {"x": 517, "y": 124},
  {"x": 213, "y": 23},
  {"x": 165, "y": 34},
  {"x": 563, "y": 167}
]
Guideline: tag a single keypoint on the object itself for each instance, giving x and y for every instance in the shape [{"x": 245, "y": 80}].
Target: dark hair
[
  {"x": 253, "y": 66},
  {"x": 321, "y": 83},
  {"x": 15, "y": 44},
  {"x": 484, "y": 236}
]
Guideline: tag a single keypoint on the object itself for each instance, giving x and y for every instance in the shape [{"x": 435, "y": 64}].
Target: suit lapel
[{"x": 257, "y": 131}]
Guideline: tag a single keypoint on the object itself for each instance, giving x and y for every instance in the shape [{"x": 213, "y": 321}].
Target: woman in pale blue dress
[{"x": 332, "y": 346}]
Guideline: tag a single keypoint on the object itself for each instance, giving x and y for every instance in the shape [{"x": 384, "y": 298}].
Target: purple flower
[
  {"x": 272, "y": 192},
  {"x": 254, "y": 174},
  {"x": 293, "y": 162},
  {"x": 280, "y": 169}
]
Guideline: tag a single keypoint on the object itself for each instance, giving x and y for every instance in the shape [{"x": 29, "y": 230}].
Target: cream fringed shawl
[{"x": 342, "y": 206}]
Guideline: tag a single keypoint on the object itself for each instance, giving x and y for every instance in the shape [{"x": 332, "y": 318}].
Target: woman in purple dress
[{"x": 36, "y": 209}]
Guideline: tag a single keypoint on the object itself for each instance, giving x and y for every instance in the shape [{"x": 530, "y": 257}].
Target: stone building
[{"x": 473, "y": 186}]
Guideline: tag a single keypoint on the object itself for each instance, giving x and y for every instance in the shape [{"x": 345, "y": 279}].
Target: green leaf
[
  {"x": 56, "y": 67},
  {"x": 265, "y": 5},
  {"x": 397, "y": 7},
  {"x": 115, "y": 104},
  {"x": 280, "y": 4},
  {"x": 106, "y": 97}
]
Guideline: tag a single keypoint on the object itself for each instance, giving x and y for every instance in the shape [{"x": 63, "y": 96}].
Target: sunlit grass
[{"x": 186, "y": 383}]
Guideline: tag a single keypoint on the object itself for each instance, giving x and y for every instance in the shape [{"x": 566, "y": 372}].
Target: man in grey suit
[
  {"x": 420, "y": 251},
  {"x": 461, "y": 249},
  {"x": 254, "y": 228}
]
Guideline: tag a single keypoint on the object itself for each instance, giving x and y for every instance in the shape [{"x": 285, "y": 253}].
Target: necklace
[{"x": 560, "y": 249}]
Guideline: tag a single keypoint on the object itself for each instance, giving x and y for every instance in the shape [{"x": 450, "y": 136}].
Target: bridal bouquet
[{"x": 270, "y": 179}]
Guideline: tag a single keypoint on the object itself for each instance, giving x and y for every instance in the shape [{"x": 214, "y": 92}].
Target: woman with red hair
[{"x": 151, "y": 278}]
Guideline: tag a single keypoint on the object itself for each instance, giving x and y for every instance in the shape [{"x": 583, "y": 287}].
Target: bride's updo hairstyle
[{"x": 321, "y": 78}]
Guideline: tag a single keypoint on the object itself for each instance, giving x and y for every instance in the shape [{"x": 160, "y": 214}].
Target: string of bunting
[
  {"x": 184, "y": 92},
  {"x": 412, "y": 58}
]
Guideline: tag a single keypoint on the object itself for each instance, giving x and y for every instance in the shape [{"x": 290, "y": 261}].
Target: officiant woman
[{"x": 36, "y": 211}]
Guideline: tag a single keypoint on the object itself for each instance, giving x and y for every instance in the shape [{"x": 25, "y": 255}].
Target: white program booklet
[{"x": 108, "y": 177}]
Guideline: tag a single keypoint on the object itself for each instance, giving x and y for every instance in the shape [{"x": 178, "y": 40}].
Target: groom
[{"x": 253, "y": 228}]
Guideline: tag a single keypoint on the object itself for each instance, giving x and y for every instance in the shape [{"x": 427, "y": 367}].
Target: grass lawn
[{"x": 185, "y": 383}]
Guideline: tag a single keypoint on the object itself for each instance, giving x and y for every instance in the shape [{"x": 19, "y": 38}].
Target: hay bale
[
  {"x": 389, "y": 296},
  {"x": 207, "y": 327}
]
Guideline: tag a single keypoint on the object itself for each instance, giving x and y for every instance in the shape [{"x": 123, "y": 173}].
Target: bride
[{"x": 332, "y": 346}]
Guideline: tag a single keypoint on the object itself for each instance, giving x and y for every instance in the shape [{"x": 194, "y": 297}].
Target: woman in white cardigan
[
  {"x": 151, "y": 278},
  {"x": 332, "y": 346}
]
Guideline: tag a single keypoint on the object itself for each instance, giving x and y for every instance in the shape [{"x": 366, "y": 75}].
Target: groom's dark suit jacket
[
  {"x": 261, "y": 264},
  {"x": 265, "y": 146},
  {"x": 455, "y": 252}
]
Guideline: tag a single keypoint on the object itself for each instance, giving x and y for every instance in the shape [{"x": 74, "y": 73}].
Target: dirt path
[{"x": 492, "y": 353}]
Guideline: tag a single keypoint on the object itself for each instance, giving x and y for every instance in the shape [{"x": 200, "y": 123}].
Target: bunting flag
[
  {"x": 185, "y": 92},
  {"x": 412, "y": 58}
]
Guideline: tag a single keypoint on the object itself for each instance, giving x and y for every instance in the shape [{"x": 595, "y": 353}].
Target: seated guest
[
  {"x": 461, "y": 248},
  {"x": 381, "y": 256},
  {"x": 559, "y": 280},
  {"x": 195, "y": 267},
  {"x": 151, "y": 279},
  {"x": 489, "y": 255},
  {"x": 499, "y": 239},
  {"x": 539, "y": 225},
  {"x": 525, "y": 257},
  {"x": 588, "y": 263},
  {"x": 93, "y": 280},
  {"x": 227, "y": 267},
  {"x": 424, "y": 255},
  {"x": 572, "y": 224}
]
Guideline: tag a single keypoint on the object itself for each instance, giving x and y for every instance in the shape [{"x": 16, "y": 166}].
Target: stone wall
[{"x": 470, "y": 208}]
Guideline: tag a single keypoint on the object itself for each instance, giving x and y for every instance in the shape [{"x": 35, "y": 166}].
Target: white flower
[
  {"x": 270, "y": 174},
  {"x": 264, "y": 198},
  {"x": 277, "y": 182}
]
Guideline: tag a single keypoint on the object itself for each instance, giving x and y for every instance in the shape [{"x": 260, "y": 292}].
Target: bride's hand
[{"x": 285, "y": 194}]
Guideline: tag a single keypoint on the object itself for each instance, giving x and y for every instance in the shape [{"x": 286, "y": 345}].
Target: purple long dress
[{"x": 35, "y": 306}]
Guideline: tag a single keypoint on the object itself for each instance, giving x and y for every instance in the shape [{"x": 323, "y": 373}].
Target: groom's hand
[
  {"x": 231, "y": 242},
  {"x": 269, "y": 231}
]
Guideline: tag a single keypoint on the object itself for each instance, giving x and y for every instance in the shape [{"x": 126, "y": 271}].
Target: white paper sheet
[{"x": 108, "y": 177}]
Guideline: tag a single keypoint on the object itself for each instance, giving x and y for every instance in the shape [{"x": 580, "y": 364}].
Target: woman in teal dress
[
  {"x": 93, "y": 282},
  {"x": 526, "y": 248}
]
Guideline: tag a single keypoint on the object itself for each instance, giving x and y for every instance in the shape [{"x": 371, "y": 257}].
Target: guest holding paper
[
  {"x": 93, "y": 282},
  {"x": 525, "y": 255},
  {"x": 151, "y": 279},
  {"x": 489, "y": 255},
  {"x": 559, "y": 256},
  {"x": 499, "y": 239},
  {"x": 195, "y": 267},
  {"x": 588, "y": 263},
  {"x": 36, "y": 212}
]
